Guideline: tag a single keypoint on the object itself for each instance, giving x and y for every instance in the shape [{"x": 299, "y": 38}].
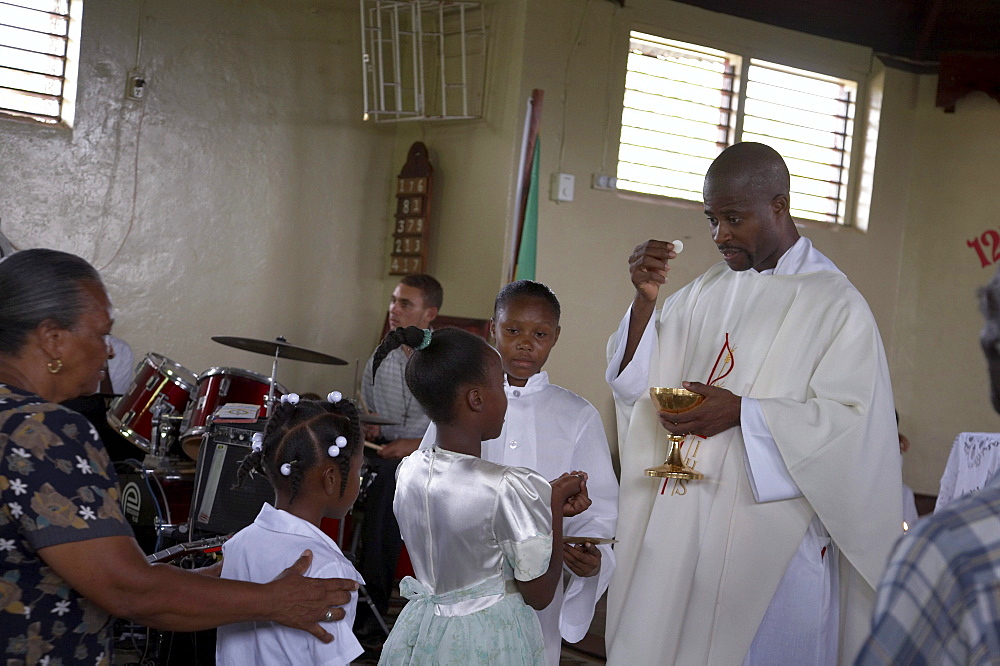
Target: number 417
[{"x": 989, "y": 239}]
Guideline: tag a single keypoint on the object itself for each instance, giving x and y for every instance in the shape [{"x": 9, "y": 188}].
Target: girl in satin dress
[{"x": 484, "y": 546}]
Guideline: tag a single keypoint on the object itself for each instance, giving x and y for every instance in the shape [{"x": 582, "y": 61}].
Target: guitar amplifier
[{"x": 219, "y": 506}]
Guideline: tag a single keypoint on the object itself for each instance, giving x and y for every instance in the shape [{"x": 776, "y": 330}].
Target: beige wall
[
  {"x": 259, "y": 195},
  {"x": 939, "y": 373},
  {"x": 263, "y": 203},
  {"x": 474, "y": 177}
]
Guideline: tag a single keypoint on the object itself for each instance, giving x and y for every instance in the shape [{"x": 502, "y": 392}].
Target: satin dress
[{"x": 471, "y": 527}]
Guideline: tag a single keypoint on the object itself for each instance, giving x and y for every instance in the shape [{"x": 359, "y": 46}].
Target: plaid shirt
[{"x": 939, "y": 600}]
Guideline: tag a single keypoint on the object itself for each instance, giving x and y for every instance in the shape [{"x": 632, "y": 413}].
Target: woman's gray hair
[{"x": 39, "y": 285}]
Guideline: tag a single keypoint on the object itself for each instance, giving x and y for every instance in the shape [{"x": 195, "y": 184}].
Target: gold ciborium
[{"x": 674, "y": 401}]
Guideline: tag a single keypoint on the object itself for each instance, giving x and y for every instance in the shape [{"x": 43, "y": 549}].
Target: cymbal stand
[
  {"x": 352, "y": 552},
  {"x": 274, "y": 375}
]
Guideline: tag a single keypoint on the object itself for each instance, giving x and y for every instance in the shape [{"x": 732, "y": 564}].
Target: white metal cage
[{"x": 423, "y": 59}]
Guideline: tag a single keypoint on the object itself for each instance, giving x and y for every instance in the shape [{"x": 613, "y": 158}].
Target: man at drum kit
[{"x": 415, "y": 302}]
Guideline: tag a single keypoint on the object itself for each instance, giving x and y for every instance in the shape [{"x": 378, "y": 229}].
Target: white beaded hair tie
[
  {"x": 292, "y": 398},
  {"x": 257, "y": 442},
  {"x": 338, "y": 444},
  {"x": 286, "y": 469},
  {"x": 334, "y": 396}
]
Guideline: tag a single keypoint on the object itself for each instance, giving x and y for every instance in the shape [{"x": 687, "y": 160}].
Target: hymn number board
[{"x": 412, "y": 219}]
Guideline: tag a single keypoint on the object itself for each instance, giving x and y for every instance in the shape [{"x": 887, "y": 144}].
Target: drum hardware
[
  {"x": 368, "y": 475},
  {"x": 164, "y": 424}
]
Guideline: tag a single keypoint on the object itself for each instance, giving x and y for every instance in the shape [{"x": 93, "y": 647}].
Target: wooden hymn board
[{"x": 412, "y": 219}]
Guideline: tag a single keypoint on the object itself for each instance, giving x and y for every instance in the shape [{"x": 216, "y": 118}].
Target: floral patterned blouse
[{"x": 57, "y": 485}]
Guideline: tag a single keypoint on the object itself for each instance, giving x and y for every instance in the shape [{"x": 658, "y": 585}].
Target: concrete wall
[
  {"x": 938, "y": 370},
  {"x": 243, "y": 197}
]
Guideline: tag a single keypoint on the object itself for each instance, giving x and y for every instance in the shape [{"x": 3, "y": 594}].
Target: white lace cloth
[{"x": 973, "y": 462}]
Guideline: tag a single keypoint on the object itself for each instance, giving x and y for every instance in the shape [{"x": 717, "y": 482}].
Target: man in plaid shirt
[{"x": 939, "y": 601}]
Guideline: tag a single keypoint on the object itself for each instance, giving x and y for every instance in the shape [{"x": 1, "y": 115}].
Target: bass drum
[
  {"x": 158, "y": 383},
  {"x": 157, "y": 502}
]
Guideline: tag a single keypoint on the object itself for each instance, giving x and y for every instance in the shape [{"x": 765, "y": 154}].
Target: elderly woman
[{"x": 69, "y": 559}]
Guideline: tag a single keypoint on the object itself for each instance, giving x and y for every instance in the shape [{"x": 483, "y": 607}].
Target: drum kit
[
  {"x": 168, "y": 412},
  {"x": 181, "y": 499}
]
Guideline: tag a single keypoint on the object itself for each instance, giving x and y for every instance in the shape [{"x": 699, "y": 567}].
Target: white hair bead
[
  {"x": 286, "y": 469},
  {"x": 292, "y": 398},
  {"x": 257, "y": 442},
  {"x": 337, "y": 445},
  {"x": 334, "y": 396}
]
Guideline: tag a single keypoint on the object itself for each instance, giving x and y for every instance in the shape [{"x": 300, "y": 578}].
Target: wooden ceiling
[{"x": 909, "y": 32}]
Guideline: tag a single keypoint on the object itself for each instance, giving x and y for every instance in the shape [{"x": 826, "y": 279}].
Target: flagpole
[{"x": 533, "y": 121}]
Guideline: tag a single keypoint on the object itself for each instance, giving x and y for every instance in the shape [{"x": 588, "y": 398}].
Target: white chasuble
[{"x": 699, "y": 561}]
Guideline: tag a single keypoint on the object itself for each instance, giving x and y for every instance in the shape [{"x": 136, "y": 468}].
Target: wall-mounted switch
[{"x": 562, "y": 187}]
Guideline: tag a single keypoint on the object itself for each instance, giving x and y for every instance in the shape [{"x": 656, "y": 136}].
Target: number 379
[{"x": 987, "y": 243}]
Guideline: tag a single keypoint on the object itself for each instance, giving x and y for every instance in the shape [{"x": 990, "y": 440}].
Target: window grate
[
  {"x": 685, "y": 103},
  {"x": 678, "y": 115},
  {"x": 423, "y": 59},
  {"x": 39, "y": 53}
]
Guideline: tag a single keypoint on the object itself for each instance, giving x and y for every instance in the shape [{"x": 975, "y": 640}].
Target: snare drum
[
  {"x": 158, "y": 382},
  {"x": 218, "y": 387}
]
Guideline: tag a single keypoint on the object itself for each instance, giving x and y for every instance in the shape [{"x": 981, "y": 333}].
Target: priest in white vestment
[{"x": 772, "y": 558}]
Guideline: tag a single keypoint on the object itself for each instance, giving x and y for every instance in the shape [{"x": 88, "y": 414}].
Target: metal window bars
[
  {"x": 423, "y": 59},
  {"x": 39, "y": 44},
  {"x": 684, "y": 103}
]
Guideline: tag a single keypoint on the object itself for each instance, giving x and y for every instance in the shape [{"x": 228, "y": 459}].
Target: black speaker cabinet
[{"x": 219, "y": 506}]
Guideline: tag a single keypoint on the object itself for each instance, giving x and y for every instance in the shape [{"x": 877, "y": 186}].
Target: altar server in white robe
[
  {"x": 773, "y": 557},
  {"x": 552, "y": 430}
]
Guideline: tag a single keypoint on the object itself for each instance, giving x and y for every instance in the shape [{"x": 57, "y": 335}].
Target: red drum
[
  {"x": 221, "y": 386},
  {"x": 158, "y": 382}
]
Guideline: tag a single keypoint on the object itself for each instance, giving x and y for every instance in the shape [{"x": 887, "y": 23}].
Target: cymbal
[
  {"x": 375, "y": 419},
  {"x": 280, "y": 348}
]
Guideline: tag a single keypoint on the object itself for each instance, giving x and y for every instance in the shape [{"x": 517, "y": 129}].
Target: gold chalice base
[{"x": 674, "y": 401}]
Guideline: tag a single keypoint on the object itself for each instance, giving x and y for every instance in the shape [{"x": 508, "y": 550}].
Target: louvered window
[
  {"x": 685, "y": 103},
  {"x": 39, "y": 57}
]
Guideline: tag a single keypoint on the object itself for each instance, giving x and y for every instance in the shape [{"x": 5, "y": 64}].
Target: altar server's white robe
[{"x": 705, "y": 557}]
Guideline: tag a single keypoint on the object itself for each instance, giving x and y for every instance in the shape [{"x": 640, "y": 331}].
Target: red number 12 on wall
[{"x": 989, "y": 239}]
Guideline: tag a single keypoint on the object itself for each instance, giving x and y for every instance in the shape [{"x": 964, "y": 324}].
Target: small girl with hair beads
[
  {"x": 485, "y": 540},
  {"x": 311, "y": 453}
]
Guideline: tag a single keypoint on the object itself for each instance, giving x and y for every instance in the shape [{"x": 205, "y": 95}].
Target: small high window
[
  {"x": 685, "y": 103},
  {"x": 39, "y": 59}
]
